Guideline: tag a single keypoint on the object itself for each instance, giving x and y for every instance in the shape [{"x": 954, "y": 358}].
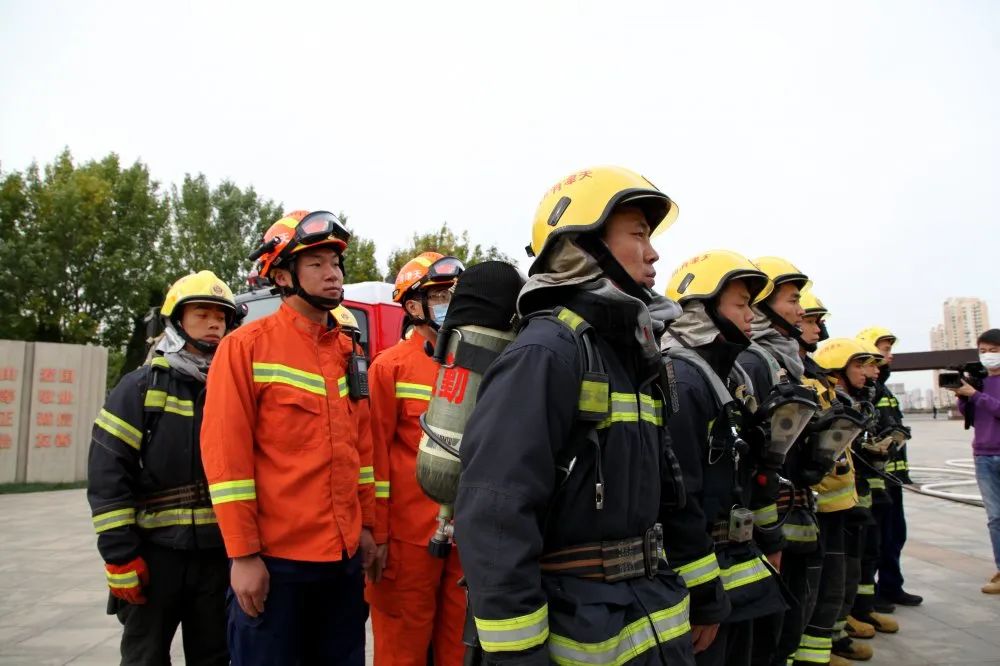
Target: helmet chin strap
[
  {"x": 730, "y": 331},
  {"x": 593, "y": 245},
  {"x": 790, "y": 330},
  {"x": 318, "y": 302},
  {"x": 200, "y": 345}
]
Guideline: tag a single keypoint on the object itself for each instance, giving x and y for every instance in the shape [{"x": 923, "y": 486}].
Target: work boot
[
  {"x": 857, "y": 629},
  {"x": 883, "y": 605},
  {"x": 993, "y": 587},
  {"x": 882, "y": 623},
  {"x": 903, "y": 598},
  {"x": 849, "y": 649},
  {"x": 839, "y": 661}
]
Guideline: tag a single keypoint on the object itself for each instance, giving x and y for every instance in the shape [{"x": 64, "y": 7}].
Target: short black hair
[{"x": 990, "y": 337}]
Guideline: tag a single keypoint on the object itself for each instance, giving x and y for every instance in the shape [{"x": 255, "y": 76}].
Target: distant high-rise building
[
  {"x": 899, "y": 390},
  {"x": 964, "y": 320}
]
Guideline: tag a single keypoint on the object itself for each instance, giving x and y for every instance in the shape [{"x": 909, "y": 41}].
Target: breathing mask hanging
[
  {"x": 788, "y": 411},
  {"x": 833, "y": 431}
]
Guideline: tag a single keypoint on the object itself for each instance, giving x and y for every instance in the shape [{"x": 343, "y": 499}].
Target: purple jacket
[{"x": 986, "y": 418}]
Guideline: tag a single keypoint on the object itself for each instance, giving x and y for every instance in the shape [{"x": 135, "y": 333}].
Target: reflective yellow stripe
[
  {"x": 625, "y": 409},
  {"x": 631, "y": 642},
  {"x": 120, "y": 428},
  {"x": 884, "y": 402},
  {"x": 150, "y": 520},
  {"x": 267, "y": 373},
  {"x": 866, "y": 589},
  {"x": 159, "y": 362},
  {"x": 824, "y": 499},
  {"x": 122, "y": 581},
  {"x": 112, "y": 519},
  {"x": 381, "y": 489},
  {"x": 700, "y": 571},
  {"x": 765, "y": 515},
  {"x": 233, "y": 491},
  {"x": 342, "y": 386},
  {"x": 878, "y": 484},
  {"x": 799, "y": 533},
  {"x": 515, "y": 634},
  {"x": 169, "y": 403},
  {"x": 814, "y": 649},
  {"x": 570, "y": 318},
  {"x": 366, "y": 476},
  {"x": 593, "y": 396},
  {"x": 865, "y": 501},
  {"x": 744, "y": 573},
  {"x": 413, "y": 391}
]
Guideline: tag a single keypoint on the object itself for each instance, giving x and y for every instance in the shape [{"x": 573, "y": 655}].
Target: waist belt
[
  {"x": 191, "y": 496},
  {"x": 609, "y": 561}
]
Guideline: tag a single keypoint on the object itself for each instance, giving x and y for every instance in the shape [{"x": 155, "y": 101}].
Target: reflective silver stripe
[
  {"x": 265, "y": 373},
  {"x": 514, "y": 634},
  {"x": 382, "y": 490},
  {"x": 700, "y": 571},
  {"x": 112, "y": 519},
  {"x": 744, "y": 573},
  {"x": 630, "y": 643},
  {"x": 152, "y": 520},
  {"x": 119, "y": 427},
  {"x": 233, "y": 491},
  {"x": 814, "y": 649},
  {"x": 626, "y": 409},
  {"x": 121, "y": 581},
  {"x": 413, "y": 391},
  {"x": 366, "y": 476},
  {"x": 765, "y": 515},
  {"x": 799, "y": 533}
]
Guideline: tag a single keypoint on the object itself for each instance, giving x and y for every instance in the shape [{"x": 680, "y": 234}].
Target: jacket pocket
[{"x": 292, "y": 419}]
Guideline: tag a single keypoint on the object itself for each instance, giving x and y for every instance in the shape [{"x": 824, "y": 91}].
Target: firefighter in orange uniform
[
  {"x": 286, "y": 446},
  {"x": 415, "y": 599}
]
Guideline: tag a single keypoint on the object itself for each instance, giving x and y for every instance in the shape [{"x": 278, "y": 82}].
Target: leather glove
[{"x": 127, "y": 580}]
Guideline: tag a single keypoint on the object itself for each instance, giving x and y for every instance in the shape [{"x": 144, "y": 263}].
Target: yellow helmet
[
  {"x": 877, "y": 356},
  {"x": 837, "y": 353},
  {"x": 344, "y": 317},
  {"x": 583, "y": 201},
  {"x": 704, "y": 276},
  {"x": 781, "y": 271},
  {"x": 201, "y": 287},
  {"x": 811, "y": 304},
  {"x": 874, "y": 334}
]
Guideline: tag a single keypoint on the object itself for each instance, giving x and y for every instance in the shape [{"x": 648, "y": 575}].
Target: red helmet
[{"x": 298, "y": 231}]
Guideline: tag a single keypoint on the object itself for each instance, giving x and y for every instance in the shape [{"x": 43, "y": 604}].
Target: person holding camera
[{"x": 983, "y": 401}]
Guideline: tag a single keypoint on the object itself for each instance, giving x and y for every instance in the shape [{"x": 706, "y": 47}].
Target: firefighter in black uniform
[
  {"x": 889, "y": 589},
  {"x": 715, "y": 290},
  {"x": 776, "y": 370},
  {"x": 157, "y": 533},
  {"x": 829, "y": 454},
  {"x": 562, "y": 467},
  {"x": 848, "y": 364}
]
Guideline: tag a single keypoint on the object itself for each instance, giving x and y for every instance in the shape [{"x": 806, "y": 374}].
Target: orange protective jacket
[
  {"x": 401, "y": 380},
  {"x": 287, "y": 454}
]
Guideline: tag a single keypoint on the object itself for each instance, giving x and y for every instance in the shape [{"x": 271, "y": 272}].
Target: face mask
[
  {"x": 438, "y": 313},
  {"x": 990, "y": 360}
]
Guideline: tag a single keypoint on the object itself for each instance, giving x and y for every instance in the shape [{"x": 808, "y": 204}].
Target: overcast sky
[{"x": 861, "y": 140}]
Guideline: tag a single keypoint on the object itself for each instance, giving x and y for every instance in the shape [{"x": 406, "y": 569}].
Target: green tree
[
  {"x": 216, "y": 229},
  {"x": 79, "y": 250},
  {"x": 448, "y": 243},
  {"x": 360, "y": 264}
]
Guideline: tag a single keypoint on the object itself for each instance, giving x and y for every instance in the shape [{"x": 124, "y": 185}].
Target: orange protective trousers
[{"x": 418, "y": 608}]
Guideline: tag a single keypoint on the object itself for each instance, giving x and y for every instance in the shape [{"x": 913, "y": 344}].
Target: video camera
[{"x": 973, "y": 374}]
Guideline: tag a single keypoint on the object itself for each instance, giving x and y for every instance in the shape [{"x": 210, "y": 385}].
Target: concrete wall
[{"x": 49, "y": 396}]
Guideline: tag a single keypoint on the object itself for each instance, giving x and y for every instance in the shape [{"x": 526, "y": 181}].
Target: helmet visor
[
  {"x": 320, "y": 226},
  {"x": 444, "y": 269}
]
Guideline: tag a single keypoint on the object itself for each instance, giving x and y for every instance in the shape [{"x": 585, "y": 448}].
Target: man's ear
[
  {"x": 281, "y": 277},
  {"x": 413, "y": 309}
]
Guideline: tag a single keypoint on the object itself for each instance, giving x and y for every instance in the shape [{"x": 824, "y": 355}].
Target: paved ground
[{"x": 52, "y": 593}]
